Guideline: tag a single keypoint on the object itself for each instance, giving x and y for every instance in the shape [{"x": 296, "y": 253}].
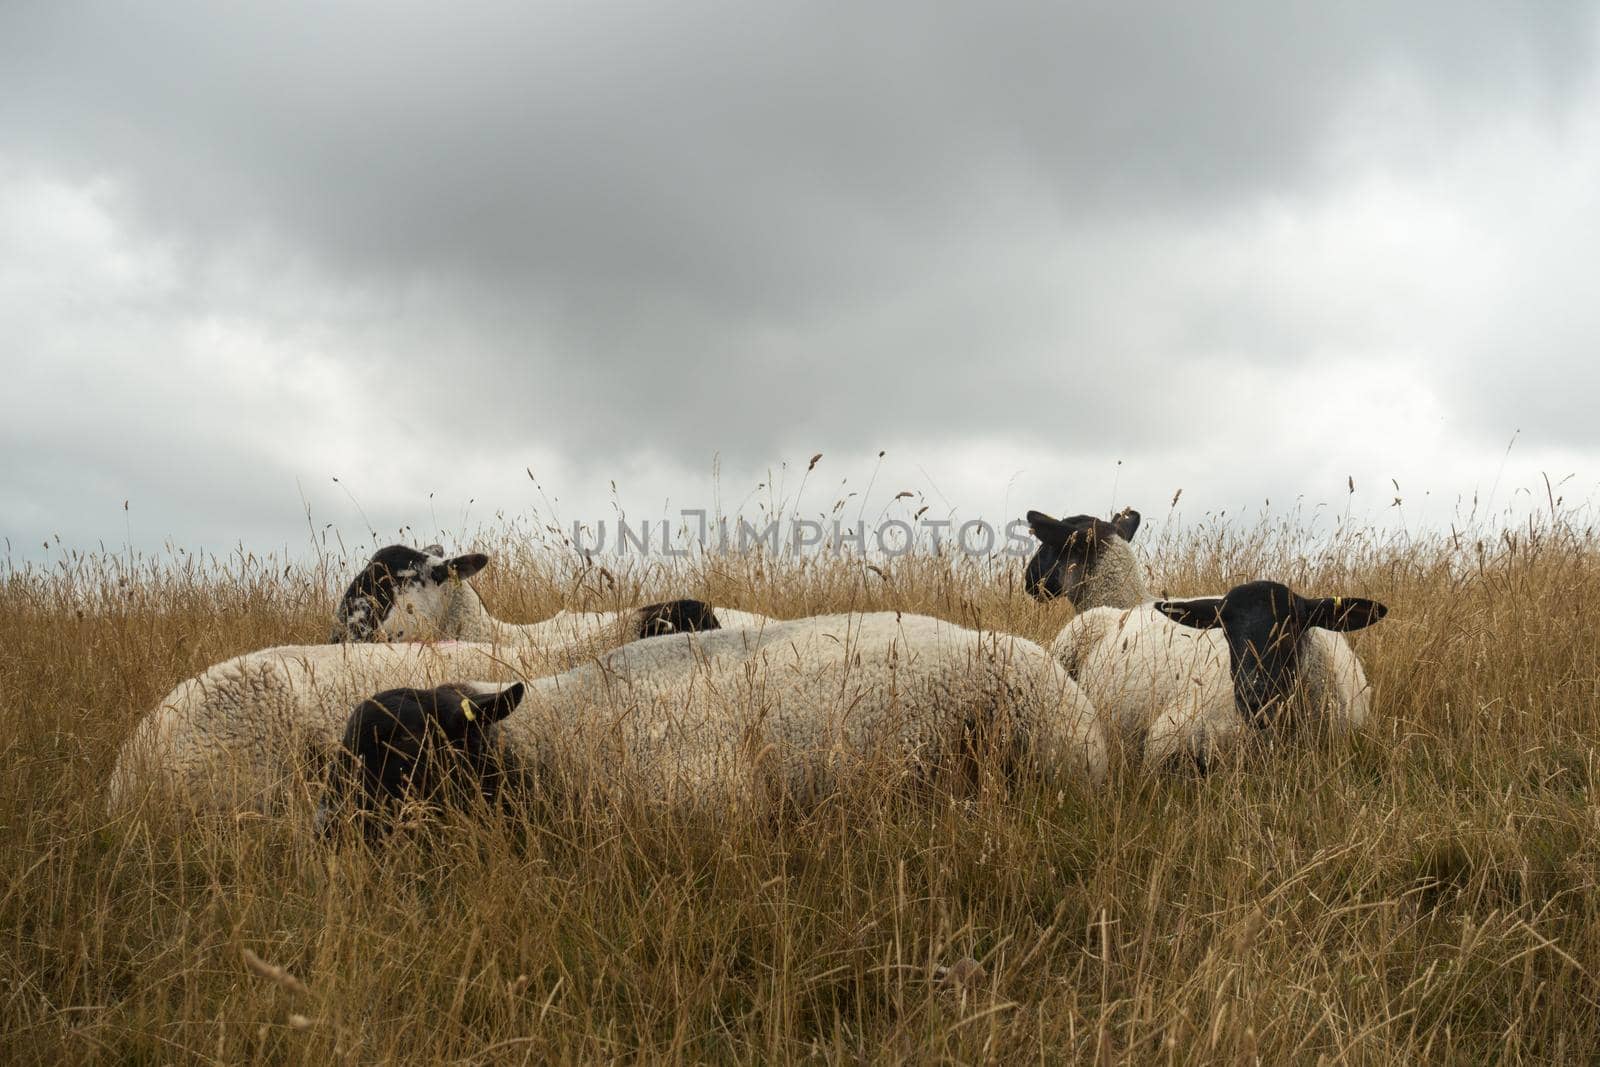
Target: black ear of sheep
[
  {"x": 462, "y": 567},
  {"x": 497, "y": 706},
  {"x": 1126, "y": 523},
  {"x": 1202, "y": 614},
  {"x": 1052, "y": 531},
  {"x": 1343, "y": 612}
]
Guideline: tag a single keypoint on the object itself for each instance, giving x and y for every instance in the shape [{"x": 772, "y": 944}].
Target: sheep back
[{"x": 804, "y": 707}]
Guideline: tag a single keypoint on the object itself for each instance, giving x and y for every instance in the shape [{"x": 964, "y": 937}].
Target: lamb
[
  {"x": 803, "y": 704},
  {"x": 1091, "y": 562},
  {"x": 1188, "y": 680},
  {"x": 405, "y": 594}
]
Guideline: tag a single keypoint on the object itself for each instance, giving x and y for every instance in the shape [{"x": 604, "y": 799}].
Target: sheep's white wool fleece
[
  {"x": 1168, "y": 689},
  {"x": 455, "y": 611},
  {"x": 572, "y": 636},
  {"x": 1116, "y": 579},
  {"x": 804, "y": 705},
  {"x": 680, "y": 716},
  {"x": 731, "y": 619}
]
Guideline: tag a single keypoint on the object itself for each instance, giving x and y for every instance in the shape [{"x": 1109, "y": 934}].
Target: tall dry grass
[{"x": 1427, "y": 892}]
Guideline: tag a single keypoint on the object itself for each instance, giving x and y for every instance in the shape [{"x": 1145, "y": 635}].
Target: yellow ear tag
[
  {"x": 466, "y": 709},
  {"x": 1336, "y": 601}
]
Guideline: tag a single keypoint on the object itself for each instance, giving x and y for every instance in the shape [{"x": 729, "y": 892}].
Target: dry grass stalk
[{"x": 273, "y": 972}]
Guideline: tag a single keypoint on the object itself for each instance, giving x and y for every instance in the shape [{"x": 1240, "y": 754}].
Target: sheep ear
[
  {"x": 496, "y": 707},
  {"x": 1343, "y": 612},
  {"x": 1202, "y": 614},
  {"x": 462, "y": 567},
  {"x": 1126, "y": 523},
  {"x": 1050, "y": 531}
]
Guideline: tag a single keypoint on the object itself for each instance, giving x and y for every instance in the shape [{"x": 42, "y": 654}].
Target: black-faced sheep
[
  {"x": 404, "y": 594},
  {"x": 427, "y": 746}
]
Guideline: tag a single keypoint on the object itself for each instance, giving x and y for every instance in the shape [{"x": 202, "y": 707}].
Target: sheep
[
  {"x": 1187, "y": 680},
  {"x": 804, "y": 706},
  {"x": 1085, "y": 559},
  {"x": 428, "y": 745},
  {"x": 683, "y": 710},
  {"x": 405, "y": 594},
  {"x": 1091, "y": 563}
]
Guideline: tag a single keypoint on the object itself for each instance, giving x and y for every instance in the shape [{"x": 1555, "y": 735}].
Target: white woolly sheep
[
  {"x": 1188, "y": 679},
  {"x": 403, "y": 594},
  {"x": 804, "y": 706},
  {"x": 681, "y": 716}
]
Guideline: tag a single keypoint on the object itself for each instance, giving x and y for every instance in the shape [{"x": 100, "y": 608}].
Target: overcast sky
[{"x": 1057, "y": 256}]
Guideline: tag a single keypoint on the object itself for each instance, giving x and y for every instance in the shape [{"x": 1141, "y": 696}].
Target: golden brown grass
[{"x": 1427, "y": 892}]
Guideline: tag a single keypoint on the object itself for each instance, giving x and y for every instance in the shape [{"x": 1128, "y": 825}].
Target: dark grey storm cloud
[
  {"x": 644, "y": 146},
  {"x": 674, "y": 229}
]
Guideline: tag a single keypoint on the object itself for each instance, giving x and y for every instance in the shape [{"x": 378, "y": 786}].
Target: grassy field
[{"x": 1428, "y": 892}]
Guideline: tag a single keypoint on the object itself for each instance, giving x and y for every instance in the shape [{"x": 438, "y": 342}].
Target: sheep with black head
[
  {"x": 435, "y": 747},
  {"x": 401, "y": 586},
  {"x": 1265, "y": 625},
  {"x": 406, "y": 594},
  {"x": 1085, "y": 559},
  {"x": 1188, "y": 680}
]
